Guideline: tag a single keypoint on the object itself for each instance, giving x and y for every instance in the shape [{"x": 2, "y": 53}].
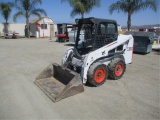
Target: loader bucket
[{"x": 58, "y": 82}]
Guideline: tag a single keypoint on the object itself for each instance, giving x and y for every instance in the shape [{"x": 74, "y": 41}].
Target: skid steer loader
[{"x": 106, "y": 56}]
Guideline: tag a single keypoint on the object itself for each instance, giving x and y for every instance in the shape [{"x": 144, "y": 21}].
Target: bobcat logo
[{"x": 103, "y": 53}]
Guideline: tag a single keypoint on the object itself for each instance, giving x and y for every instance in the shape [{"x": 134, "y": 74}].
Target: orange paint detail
[
  {"x": 119, "y": 69},
  {"x": 99, "y": 75}
]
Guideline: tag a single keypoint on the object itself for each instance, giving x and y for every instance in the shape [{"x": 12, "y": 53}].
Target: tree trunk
[
  {"x": 28, "y": 31},
  {"x": 6, "y": 26},
  {"x": 129, "y": 22},
  {"x": 82, "y": 15}
]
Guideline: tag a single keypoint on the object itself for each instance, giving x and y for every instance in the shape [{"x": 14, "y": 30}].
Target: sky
[{"x": 60, "y": 13}]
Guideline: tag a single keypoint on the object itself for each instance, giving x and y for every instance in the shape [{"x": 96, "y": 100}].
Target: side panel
[
  {"x": 128, "y": 54},
  {"x": 125, "y": 40}
]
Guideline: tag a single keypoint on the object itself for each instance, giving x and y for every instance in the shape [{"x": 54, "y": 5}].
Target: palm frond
[
  {"x": 18, "y": 7},
  {"x": 74, "y": 13},
  {"x": 132, "y": 6},
  {"x": 27, "y": 8},
  {"x": 82, "y": 6},
  {"x": 33, "y": 4},
  {"x": 78, "y": 6},
  {"x": 18, "y": 14},
  {"x": 118, "y": 6},
  {"x": 10, "y": 4},
  {"x": 36, "y": 14},
  {"x": 142, "y": 5},
  {"x": 69, "y": 1},
  {"x": 38, "y": 11},
  {"x": 6, "y": 9}
]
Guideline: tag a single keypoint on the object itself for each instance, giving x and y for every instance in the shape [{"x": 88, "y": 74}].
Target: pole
[
  {"x": 43, "y": 33},
  {"x": 50, "y": 36},
  {"x": 44, "y": 27}
]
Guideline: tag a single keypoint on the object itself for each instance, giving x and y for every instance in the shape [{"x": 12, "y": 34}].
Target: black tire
[
  {"x": 97, "y": 74},
  {"x": 63, "y": 39},
  {"x": 117, "y": 68},
  {"x": 59, "y": 39}
]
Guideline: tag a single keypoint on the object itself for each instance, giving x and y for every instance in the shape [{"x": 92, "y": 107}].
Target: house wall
[
  {"x": 33, "y": 29},
  {"x": 1, "y": 28},
  {"x": 20, "y": 28},
  {"x": 45, "y": 32},
  {"x": 119, "y": 28},
  {"x": 39, "y": 32},
  {"x": 14, "y": 27}
]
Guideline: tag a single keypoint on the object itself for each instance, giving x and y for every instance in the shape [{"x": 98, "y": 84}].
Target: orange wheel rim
[
  {"x": 119, "y": 69},
  {"x": 100, "y": 74}
]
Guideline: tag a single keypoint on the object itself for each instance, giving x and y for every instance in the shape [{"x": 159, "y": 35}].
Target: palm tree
[
  {"x": 132, "y": 6},
  {"x": 82, "y": 6},
  {"x": 26, "y": 8},
  {"x": 6, "y": 9}
]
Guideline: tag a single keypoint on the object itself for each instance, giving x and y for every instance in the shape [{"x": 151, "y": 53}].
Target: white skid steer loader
[{"x": 106, "y": 56}]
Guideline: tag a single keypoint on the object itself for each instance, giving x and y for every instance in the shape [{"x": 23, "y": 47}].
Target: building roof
[{"x": 36, "y": 20}]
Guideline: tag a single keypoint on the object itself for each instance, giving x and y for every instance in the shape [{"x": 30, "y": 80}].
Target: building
[
  {"x": 119, "y": 28},
  {"x": 13, "y": 28},
  {"x": 42, "y": 27}
]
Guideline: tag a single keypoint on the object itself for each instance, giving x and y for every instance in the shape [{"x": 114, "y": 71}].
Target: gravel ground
[{"x": 134, "y": 96}]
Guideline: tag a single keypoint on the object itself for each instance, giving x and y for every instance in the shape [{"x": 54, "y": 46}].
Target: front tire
[
  {"x": 117, "y": 68},
  {"x": 97, "y": 74}
]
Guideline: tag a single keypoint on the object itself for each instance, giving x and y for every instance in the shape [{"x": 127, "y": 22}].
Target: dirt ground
[{"x": 134, "y": 96}]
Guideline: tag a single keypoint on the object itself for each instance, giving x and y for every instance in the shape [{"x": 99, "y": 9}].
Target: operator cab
[{"x": 96, "y": 32}]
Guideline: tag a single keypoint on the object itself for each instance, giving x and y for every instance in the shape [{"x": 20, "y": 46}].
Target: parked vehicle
[{"x": 63, "y": 30}]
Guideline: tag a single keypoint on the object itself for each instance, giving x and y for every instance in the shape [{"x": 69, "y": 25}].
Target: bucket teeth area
[{"x": 58, "y": 83}]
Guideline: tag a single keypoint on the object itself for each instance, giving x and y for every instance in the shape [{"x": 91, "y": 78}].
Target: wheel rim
[
  {"x": 119, "y": 69},
  {"x": 99, "y": 75}
]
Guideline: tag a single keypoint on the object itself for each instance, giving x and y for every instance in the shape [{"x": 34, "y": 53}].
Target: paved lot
[{"x": 134, "y": 96}]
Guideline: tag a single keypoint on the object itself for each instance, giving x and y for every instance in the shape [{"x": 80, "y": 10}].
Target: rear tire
[
  {"x": 117, "y": 68},
  {"x": 97, "y": 74},
  {"x": 63, "y": 39}
]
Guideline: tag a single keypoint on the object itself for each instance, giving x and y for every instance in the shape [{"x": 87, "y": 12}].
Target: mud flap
[{"x": 58, "y": 82}]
